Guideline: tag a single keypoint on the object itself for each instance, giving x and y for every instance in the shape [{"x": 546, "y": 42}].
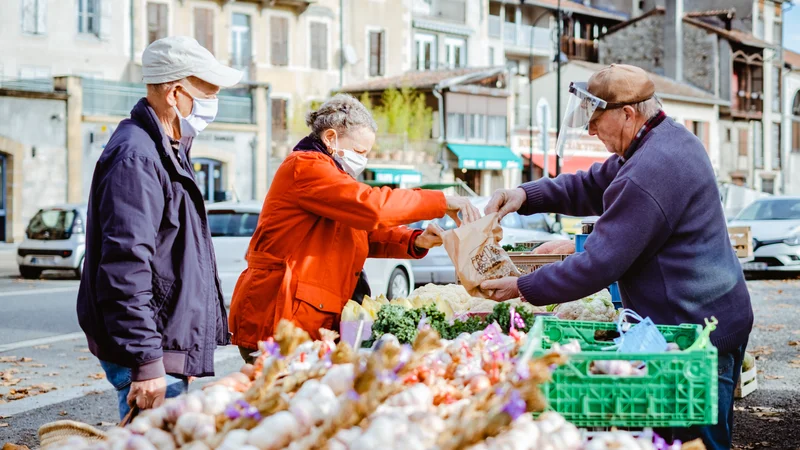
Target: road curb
[{"x": 18, "y": 407}]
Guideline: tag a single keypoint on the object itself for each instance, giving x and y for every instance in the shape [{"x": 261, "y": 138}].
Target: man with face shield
[
  {"x": 661, "y": 232},
  {"x": 150, "y": 301}
]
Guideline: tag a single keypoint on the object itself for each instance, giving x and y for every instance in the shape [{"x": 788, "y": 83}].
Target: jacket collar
[
  {"x": 312, "y": 143},
  {"x": 145, "y": 116}
]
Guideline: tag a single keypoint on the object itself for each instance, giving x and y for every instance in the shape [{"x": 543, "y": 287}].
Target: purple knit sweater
[{"x": 661, "y": 234}]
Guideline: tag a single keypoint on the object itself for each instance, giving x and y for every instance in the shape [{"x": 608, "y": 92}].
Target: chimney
[{"x": 673, "y": 39}]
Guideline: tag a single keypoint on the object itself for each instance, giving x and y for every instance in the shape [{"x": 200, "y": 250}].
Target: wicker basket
[{"x": 55, "y": 432}]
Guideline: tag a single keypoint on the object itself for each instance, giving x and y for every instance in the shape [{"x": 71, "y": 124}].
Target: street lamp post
[{"x": 558, "y": 89}]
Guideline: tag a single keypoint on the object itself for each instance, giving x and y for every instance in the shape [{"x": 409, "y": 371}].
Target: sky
[{"x": 791, "y": 27}]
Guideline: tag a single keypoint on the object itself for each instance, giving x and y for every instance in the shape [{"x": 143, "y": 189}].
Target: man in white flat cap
[{"x": 150, "y": 301}]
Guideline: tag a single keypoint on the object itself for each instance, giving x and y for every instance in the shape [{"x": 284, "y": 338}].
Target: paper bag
[{"x": 477, "y": 255}]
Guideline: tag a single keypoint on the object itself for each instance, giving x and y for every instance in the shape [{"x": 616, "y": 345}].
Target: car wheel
[
  {"x": 398, "y": 284},
  {"x": 79, "y": 270},
  {"x": 30, "y": 273}
]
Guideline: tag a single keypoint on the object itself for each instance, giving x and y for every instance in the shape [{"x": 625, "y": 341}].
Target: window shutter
[
  {"x": 382, "y": 49},
  {"x": 28, "y": 17},
  {"x": 279, "y": 34},
  {"x": 105, "y": 18},
  {"x": 374, "y": 53},
  {"x": 743, "y": 138},
  {"x": 41, "y": 16}
]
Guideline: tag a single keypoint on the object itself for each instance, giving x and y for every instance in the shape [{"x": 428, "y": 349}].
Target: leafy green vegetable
[
  {"x": 502, "y": 315},
  {"x": 403, "y": 323}
]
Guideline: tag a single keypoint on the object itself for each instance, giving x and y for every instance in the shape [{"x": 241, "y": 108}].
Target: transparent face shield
[{"x": 580, "y": 108}]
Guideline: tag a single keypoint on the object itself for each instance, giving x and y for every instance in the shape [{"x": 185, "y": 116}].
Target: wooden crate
[
  {"x": 528, "y": 262},
  {"x": 748, "y": 382},
  {"x": 742, "y": 241}
]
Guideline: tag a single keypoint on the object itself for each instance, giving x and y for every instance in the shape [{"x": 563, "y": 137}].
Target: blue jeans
[
  {"x": 719, "y": 436},
  {"x": 120, "y": 378}
]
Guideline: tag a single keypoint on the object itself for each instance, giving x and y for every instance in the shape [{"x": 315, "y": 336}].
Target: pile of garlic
[{"x": 397, "y": 397}]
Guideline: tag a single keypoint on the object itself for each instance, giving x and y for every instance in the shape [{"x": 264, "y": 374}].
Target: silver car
[
  {"x": 54, "y": 240},
  {"x": 436, "y": 266},
  {"x": 775, "y": 225}
]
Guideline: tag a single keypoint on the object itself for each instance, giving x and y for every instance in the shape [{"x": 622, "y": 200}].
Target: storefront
[
  {"x": 394, "y": 176},
  {"x": 484, "y": 168}
]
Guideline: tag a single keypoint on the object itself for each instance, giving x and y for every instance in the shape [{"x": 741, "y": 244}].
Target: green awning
[
  {"x": 395, "y": 176},
  {"x": 491, "y": 157}
]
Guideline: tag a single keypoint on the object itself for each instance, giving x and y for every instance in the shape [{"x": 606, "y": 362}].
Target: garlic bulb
[
  {"x": 194, "y": 426},
  {"x": 274, "y": 432},
  {"x": 160, "y": 439},
  {"x": 339, "y": 378},
  {"x": 216, "y": 399},
  {"x": 140, "y": 425}
]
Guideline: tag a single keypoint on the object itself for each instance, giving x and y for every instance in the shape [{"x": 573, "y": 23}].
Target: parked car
[
  {"x": 55, "y": 239},
  {"x": 775, "y": 225},
  {"x": 233, "y": 224},
  {"x": 436, "y": 266}
]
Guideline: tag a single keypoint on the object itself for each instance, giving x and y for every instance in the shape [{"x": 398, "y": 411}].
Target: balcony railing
[
  {"x": 114, "y": 98},
  {"x": 748, "y": 103},
  {"x": 495, "y": 27},
  {"x": 32, "y": 84},
  {"x": 520, "y": 36},
  {"x": 583, "y": 49},
  {"x": 450, "y": 10}
]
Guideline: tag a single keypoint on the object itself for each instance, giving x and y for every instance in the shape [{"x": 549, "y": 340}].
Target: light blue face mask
[{"x": 642, "y": 337}]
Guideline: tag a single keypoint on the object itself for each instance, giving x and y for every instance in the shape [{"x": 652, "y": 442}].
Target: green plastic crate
[{"x": 678, "y": 390}]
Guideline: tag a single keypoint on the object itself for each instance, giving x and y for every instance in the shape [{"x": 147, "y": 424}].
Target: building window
[
  {"x": 204, "y": 27},
  {"x": 728, "y": 135},
  {"x": 156, "y": 21},
  {"x": 34, "y": 16},
  {"x": 776, "y": 89},
  {"x": 768, "y": 185},
  {"x": 456, "y": 126},
  {"x": 777, "y": 32},
  {"x": 425, "y": 51},
  {"x": 701, "y": 130},
  {"x": 455, "y": 52},
  {"x": 491, "y": 56},
  {"x": 743, "y": 142},
  {"x": 89, "y": 17},
  {"x": 280, "y": 122},
  {"x": 319, "y": 45},
  {"x": 209, "y": 177},
  {"x": 377, "y": 60},
  {"x": 477, "y": 127},
  {"x": 241, "y": 43},
  {"x": 497, "y": 129},
  {"x": 777, "y": 147},
  {"x": 279, "y": 41},
  {"x": 758, "y": 145}
]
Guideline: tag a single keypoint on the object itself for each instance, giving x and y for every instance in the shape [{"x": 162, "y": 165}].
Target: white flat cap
[{"x": 176, "y": 57}]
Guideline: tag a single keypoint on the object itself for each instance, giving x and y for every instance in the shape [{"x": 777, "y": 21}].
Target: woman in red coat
[{"x": 318, "y": 226}]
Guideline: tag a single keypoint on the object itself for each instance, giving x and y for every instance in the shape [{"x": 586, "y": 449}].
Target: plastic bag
[{"x": 477, "y": 255}]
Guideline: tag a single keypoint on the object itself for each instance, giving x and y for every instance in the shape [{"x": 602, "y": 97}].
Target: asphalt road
[{"x": 41, "y": 347}]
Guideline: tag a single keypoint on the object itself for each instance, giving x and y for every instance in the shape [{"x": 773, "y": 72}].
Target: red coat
[{"x": 317, "y": 227}]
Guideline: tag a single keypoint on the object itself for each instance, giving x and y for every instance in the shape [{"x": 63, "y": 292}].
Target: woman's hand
[
  {"x": 431, "y": 237},
  {"x": 455, "y": 205}
]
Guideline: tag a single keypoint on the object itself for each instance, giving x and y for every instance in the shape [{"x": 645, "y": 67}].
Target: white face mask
[
  {"x": 204, "y": 111},
  {"x": 353, "y": 163}
]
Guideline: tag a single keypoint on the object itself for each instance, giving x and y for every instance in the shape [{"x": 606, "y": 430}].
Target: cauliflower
[{"x": 597, "y": 307}]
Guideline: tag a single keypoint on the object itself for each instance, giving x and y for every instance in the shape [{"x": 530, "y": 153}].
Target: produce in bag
[{"x": 477, "y": 255}]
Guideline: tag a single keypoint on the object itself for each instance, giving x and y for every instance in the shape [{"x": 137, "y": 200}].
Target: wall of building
[
  {"x": 700, "y": 56},
  {"x": 40, "y": 126},
  {"x": 391, "y": 17},
  {"x": 648, "y": 51},
  {"x": 60, "y": 49},
  {"x": 791, "y": 167}
]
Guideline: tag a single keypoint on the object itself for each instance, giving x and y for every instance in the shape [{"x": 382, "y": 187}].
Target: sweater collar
[{"x": 644, "y": 131}]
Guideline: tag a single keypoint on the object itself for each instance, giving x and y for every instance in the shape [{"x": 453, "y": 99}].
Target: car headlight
[{"x": 794, "y": 240}]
